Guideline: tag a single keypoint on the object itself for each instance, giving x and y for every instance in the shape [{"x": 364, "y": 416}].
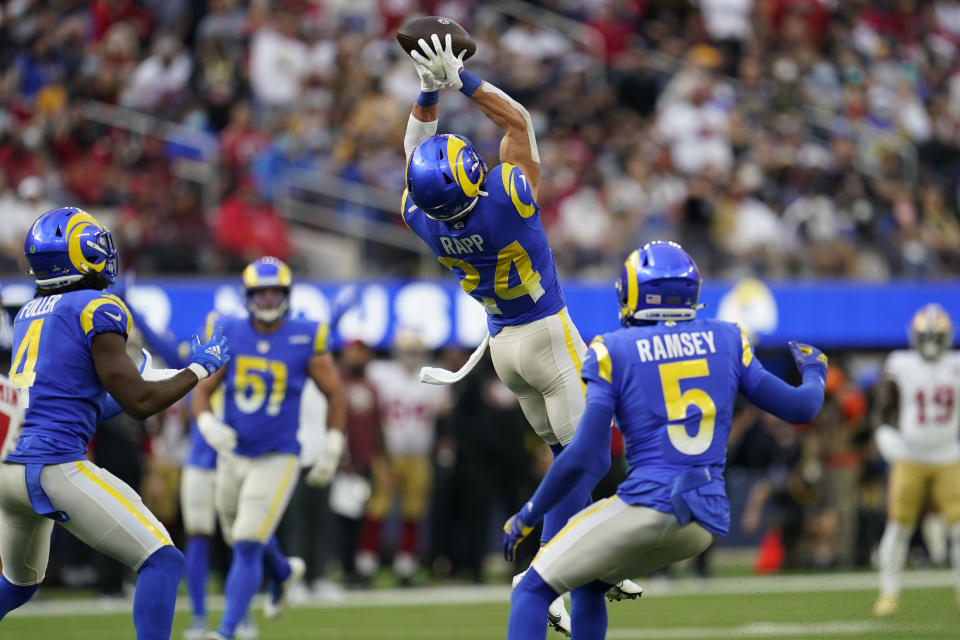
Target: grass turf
[{"x": 926, "y": 614}]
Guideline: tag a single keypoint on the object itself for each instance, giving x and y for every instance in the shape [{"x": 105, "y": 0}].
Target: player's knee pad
[{"x": 167, "y": 559}]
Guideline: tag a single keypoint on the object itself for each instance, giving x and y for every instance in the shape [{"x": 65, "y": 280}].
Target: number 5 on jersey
[{"x": 678, "y": 405}]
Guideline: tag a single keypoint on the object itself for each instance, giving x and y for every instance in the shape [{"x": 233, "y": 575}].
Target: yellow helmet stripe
[{"x": 632, "y": 290}]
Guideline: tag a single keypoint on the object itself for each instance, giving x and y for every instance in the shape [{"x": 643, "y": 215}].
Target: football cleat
[
  {"x": 213, "y": 635},
  {"x": 246, "y": 630},
  {"x": 625, "y": 590},
  {"x": 558, "y": 618},
  {"x": 196, "y": 631},
  {"x": 273, "y": 605},
  {"x": 886, "y": 606}
]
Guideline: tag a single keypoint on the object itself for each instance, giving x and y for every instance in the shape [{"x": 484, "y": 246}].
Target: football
[{"x": 411, "y": 32}]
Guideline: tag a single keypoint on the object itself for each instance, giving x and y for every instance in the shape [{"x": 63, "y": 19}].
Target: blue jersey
[
  {"x": 52, "y": 364},
  {"x": 264, "y": 381},
  {"x": 499, "y": 251},
  {"x": 674, "y": 386}
]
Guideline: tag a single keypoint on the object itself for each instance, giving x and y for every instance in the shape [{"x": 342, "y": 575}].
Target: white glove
[
  {"x": 321, "y": 473},
  {"x": 428, "y": 81},
  {"x": 218, "y": 435},
  {"x": 890, "y": 443},
  {"x": 148, "y": 373},
  {"x": 440, "y": 61}
]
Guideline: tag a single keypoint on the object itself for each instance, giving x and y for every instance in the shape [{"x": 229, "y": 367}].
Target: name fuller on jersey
[
  {"x": 39, "y": 306},
  {"x": 676, "y": 345},
  {"x": 468, "y": 244}
]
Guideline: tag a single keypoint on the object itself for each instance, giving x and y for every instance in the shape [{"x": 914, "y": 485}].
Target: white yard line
[
  {"x": 833, "y": 629},
  {"x": 827, "y": 582}
]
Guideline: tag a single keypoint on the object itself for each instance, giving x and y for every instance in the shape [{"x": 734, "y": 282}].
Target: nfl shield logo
[{"x": 653, "y": 298}]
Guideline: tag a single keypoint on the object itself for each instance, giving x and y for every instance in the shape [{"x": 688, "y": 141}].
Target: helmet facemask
[{"x": 268, "y": 305}]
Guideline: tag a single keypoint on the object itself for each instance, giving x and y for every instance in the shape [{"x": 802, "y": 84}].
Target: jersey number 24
[{"x": 513, "y": 255}]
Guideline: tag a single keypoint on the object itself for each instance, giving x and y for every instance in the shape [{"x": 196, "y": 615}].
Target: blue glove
[
  {"x": 210, "y": 355},
  {"x": 514, "y": 531},
  {"x": 809, "y": 358}
]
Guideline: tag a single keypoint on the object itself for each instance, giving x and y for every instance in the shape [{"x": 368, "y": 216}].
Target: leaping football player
[
  {"x": 485, "y": 227},
  {"x": 69, "y": 352},
  {"x": 671, "y": 381},
  {"x": 919, "y": 434},
  {"x": 256, "y": 442}
]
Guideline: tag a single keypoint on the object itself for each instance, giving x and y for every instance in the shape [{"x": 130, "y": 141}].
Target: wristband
[
  {"x": 199, "y": 369},
  {"x": 428, "y": 98},
  {"x": 470, "y": 83}
]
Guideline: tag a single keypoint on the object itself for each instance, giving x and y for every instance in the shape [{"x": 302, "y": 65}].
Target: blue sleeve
[
  {"x": 166, "y": 348},
  {"x": 590, "y": 446},
  {"x": 111, "y": 408},
  {"x": 773, "y": 395},
  {"x": 106, "y": 313}
]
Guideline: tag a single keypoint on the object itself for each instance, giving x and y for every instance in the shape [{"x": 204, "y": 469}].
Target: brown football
[{"x": 411, "y": 32}]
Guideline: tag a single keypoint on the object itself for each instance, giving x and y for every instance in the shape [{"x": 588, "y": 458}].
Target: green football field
[{"x": 801, "y": 607}]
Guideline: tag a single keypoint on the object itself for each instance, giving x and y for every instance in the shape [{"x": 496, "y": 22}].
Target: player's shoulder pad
[
  {"x": 516, "y": 188},
  {"x": 106, "y": 312},
  {"x": 210, "y": 323},
  {"x": 598, "y": 350},
  {"x": 897, "y": 361},
  {"x": 321, "y": 336},
  {"x": 746, "y": 351},
  {"x": 407, "y": 208}
]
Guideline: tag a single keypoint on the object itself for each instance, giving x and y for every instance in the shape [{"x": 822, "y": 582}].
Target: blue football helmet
[
  {"x": 65, "y": 245},
  {"x": 931, "y": 331},
  {"x": 444, "y": 176},
  {"x": 659, "y": 281},
  {"x": 263, "y": 274}
]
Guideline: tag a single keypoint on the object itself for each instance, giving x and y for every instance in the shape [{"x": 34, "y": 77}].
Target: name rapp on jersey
[
  {"x": 676, "y": 345},
  {"x": 458, "y": 246}
]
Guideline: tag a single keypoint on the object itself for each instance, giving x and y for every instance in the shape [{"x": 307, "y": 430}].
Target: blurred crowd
[{"x": 774, "y": 137}]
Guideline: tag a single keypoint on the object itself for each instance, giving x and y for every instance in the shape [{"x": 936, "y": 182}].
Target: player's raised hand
[
  {"x": 429, "y": 81},
  {"x": 210, "y": 355},
  {"x": 514, "y": 532},
  {"x": 809, "y": 358},
  {"x": 440, "y": 60}
]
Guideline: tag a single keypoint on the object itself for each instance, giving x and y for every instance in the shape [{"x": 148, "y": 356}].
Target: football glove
[
  {"x": 809, "y": 358},
  {"x": 428, "y": 81},
  {"x": 218, "y": 435},
  {"x": 148, "y": 373},
  {"x": 321, "y": 473},
  {"x": 206, "y": 358},
  {"x": 514, "y": 531},
  {"x": 440, "y": 60}
]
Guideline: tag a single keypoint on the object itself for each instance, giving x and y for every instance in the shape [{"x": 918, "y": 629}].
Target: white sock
[
  {"x": 893, "y": 556},
  {"x": 934, "y": 530},
  {"x": 955, "y": 554}
]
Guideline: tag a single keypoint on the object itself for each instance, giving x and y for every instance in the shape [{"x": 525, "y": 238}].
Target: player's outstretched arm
[
  {"x": 426, "y": 110},
  {"x": 589, "y": 450},
  {"x": 793, "y": 404},
  {"x": 519, "y": 143},
  {"x": 324, "y": 373},
  {"x": 141, "y": 398}
]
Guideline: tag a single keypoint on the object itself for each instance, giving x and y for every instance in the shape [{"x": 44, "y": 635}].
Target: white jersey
[
  {"x": 11, "y": 416},
  {"x": 929, "y": 394},
  {"x": 408, "y": 408}
]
